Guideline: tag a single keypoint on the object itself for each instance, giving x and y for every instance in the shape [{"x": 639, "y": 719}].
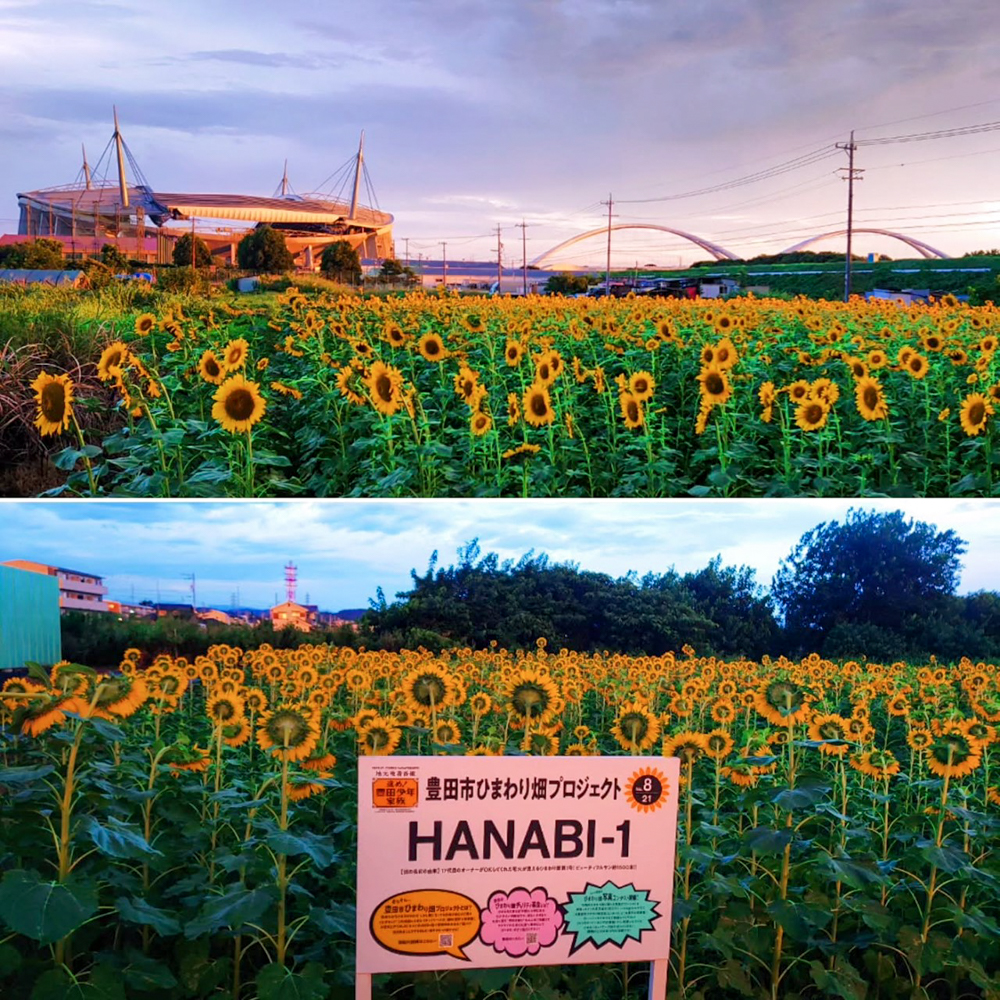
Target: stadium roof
[{"x": 161, "y": 206}]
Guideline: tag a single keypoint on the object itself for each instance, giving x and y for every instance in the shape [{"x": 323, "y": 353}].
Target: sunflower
[
  {"x": 380, "y": 737},
  {"x": 513, "y": 352},
  {"x": 953, "y": 754},
  {"x": 718, "y": 744},
  {"x": 531, "y": 695},
  {"x": 636, "y": 728},
  {"x": 782, "y": 703},
  {"x": 632, "y": 412},
  {"x": 113, "y": 356},
  {"x": 877, "y": 359},
  {"x": 741, "y": 775},
  {"x": 723, "y": 711},
  {"x": 869, "y": 398},
  {"x": 429, "y": 687},
  {"x": 238, "y": 404},
  {"x": 642, "y": 385},
  {"x": 144, "y": 324},
  {"x": 54, "y": 398},
  {"x": 211, "y": 369},
  {"x": 830, "y": 727},
  {"x": 686, "y": 745},
  {"x": 385, "y": 386},
  {"x": 297, "y": 790},
  {"x": 225, "y": 709},
  {"x": 122, "y": 696},
  {"x": 44, "y": 713},
  {"x": 537, "y": 405},
  {"x": 431, "y": 347},
  {"x": 236, "y": 734},
  {"x": 916, "y": 365},
  {"x": 811, "y": 415},
  {"x": 290, "y": 731},
  {"x": 975, "y": 409},
  {"x": 725, "y": 352},
  {"x": 480, "y": 423},
  {"x": 714, "y": 385},
  {"x": 480, "y": 703},
  {"x": 876, "y": 763},
  {"x": 235, "y": 354},
  {"x": 447, "y": 732}
]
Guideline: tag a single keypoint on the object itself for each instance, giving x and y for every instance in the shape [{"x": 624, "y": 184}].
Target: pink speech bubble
[{"x": 521, "y": 922}]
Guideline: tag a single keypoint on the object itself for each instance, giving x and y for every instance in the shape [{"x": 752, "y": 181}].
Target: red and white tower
[{"x": 291, "y": 578}]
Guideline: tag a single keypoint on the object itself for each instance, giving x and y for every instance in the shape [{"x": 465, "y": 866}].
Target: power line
[
  {"x": 947, "y": 133},
  {"x": 777, "y": 171}
]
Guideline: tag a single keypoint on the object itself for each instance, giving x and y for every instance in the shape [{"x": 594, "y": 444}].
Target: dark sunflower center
[
  {"x": 831, "y": 731},
  {"x": 429, "y": 689},
  {"x": 635, "y": 726},
  {"x": 977, "y": 413},
  {"x": 870, "y": 396},
  {"x": 432, "y": 347},
  {"x": 633, "y": 410},
  {"x": 813, "y": 413},
  {"x": 539, "y": 407},
  {"x": 54, "y": 402},
  {"x": 383, "y": 388},
  {"x": 544, "y": 372},
  {"x": 714, "y": 385},
  {"x": 234, "y": 357},
  {"x": 212, "y": 367},
  {"x": 224, "y": 710},
  {"x": 529, "y": 699},
  {"x": 239, "y": 404}
]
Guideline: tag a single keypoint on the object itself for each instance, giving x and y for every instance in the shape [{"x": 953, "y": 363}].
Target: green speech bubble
[{"x": 608, "y": 914}]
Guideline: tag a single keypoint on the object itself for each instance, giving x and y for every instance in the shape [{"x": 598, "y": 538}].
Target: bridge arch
[
  {"x": 923, "y": 248},
  {"x": 719, "y": 253}
]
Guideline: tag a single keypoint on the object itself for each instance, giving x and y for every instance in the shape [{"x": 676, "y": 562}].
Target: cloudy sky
[
  {"x": 485, "y": 112},
  {"x": 345, "y": 549}
]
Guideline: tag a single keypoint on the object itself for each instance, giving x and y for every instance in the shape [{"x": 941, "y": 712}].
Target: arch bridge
[
  {"x": 719, "y": 253},
  {"x": 922, "y": 248}
]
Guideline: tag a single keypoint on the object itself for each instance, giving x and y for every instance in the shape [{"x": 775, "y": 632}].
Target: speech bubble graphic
[
  {"x": 426, "y": 922},
  {"x": 609, "y": 914},
  {"x": 521, "y": 922}
]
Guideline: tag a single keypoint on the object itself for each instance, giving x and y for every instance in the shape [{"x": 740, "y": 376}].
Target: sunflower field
[
  {"x": 181, "y": 829},
  {"x": 437, "y": 395}
]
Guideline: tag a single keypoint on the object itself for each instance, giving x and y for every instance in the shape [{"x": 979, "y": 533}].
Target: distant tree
[
  {"x": 38, "y": 254},
  {"x": 567, "y": 284},
  {"x": 869, "y": 585},
  {"x": 994, "y": 252},
  {"x": 182, "y": 252},
  {"x": 111, "y": 257},
  {"x": 340, "y": 262},
  {"x": 264, "y": 250}
]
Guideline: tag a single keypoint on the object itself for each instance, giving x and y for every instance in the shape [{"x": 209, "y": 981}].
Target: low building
[
  {"x": 214, "y": 615},
  {"x": 125, "y": 610},
  {"x": 78, "y": 591},
  {"x": 292, "y": 615}
]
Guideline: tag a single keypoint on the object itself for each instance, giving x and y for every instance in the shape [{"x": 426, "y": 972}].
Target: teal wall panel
[{"x": 29, "y": 619}]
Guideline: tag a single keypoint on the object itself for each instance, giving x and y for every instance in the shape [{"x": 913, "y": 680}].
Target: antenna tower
[{"x": 291, "y": 578}]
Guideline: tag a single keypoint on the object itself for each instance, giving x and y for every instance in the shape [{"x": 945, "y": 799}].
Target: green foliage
[
  {"x": 567, "y": 284},
  {"x": 482, "y": 600},
  {"x": 112, "y": 258},
  {"x": 37, "y": 254},
  {"x": 340, "y": 262},
  {"x": 877, "y": 581},
  {"x": 182, "y": 252},
  {"x": 263, "y": 250}
]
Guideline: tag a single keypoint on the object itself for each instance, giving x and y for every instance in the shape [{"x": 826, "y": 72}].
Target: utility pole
[
  {"x": 194, "y": 256},
  {"x": 499, "y": 263},
  {"x": 194, "y": 592},
  {"x": 406, "y": 240},
  {"x": 444, "y": 264},
  {"x": 524, "y": 257},
  {"x": 852, "y": 175},
  {"x": 607, "y": 275}
]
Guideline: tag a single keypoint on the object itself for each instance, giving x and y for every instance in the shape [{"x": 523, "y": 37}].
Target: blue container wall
[{"x": 29, "y": 619}]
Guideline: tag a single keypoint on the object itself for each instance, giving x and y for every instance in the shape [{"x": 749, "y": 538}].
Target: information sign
[{"x": 512, "y": 861}]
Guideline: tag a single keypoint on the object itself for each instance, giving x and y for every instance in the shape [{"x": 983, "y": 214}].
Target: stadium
[{"x": 113, "y": 203}]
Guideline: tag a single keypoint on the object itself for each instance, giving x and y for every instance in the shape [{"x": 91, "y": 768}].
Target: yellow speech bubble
[{"x": 426, "y": 922}]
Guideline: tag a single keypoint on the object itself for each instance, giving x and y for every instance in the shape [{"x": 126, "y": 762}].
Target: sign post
[{"x": 486, "y": 862}]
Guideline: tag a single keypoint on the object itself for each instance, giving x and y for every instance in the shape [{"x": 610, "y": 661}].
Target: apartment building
[{"x": 78, "y": 591}]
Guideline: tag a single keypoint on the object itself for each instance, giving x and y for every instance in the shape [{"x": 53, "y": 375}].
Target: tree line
[{"x": 876, "y": 585}]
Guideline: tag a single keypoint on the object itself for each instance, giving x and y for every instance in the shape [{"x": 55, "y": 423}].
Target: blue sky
[
  {"x": 345, "y": 549},
  {"x": 487, "y": 112}
]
